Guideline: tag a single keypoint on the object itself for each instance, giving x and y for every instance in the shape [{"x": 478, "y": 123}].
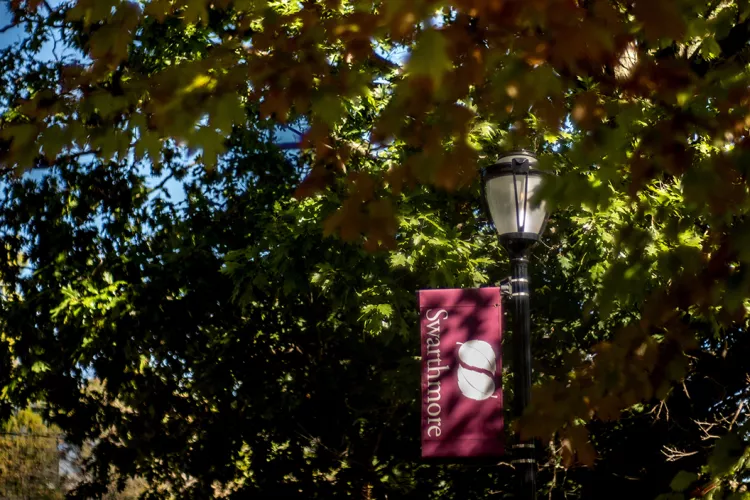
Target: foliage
[
  {"x": 29, "y": 458},
  {"x": 247, "y": 348},
  {"x": 36, "y": 463}
]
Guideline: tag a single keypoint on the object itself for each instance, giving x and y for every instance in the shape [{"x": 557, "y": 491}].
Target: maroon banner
[{"x": 462, "y": 398}]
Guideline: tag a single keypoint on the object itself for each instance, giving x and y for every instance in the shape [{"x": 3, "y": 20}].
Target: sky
[
  {"x": 16, "y": 34},
  {"x": 5, "y": 18}
]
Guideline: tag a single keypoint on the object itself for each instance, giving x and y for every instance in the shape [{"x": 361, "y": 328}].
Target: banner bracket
[{"x": 506, "y": 287}]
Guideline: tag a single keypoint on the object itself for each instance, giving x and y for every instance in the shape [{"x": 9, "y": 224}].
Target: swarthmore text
[{"x": 434, "y": 369}]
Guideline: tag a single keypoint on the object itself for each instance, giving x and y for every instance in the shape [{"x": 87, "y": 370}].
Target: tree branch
[
  {"x": 673, "y": 454},
  {"x": 162, "y": 183},
  {"x": 289, "y": 127},
  {"x": 731, "y": 45},
  {"x": 9, "y": 27},
  {"x": 737, "y": 414}
]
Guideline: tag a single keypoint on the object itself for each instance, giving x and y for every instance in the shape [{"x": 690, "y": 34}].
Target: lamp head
[{"x": 509, "y": 186}]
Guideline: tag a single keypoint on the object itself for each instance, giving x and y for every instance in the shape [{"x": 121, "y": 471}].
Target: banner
[{"x": 462, "y": 398}]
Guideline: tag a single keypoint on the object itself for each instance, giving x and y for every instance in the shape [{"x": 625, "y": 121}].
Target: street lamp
[{"x": 508, "y": 186}]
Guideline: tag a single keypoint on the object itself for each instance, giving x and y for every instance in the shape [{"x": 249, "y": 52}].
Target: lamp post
[{"x": 508, "y": 186}]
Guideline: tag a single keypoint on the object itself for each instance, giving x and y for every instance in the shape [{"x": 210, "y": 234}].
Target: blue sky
[
  {"x": 16, "y": 34},
  {"x": 11, "y": 35}
]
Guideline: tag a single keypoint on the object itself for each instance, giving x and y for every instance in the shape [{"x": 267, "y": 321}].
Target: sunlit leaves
[{"x": 91, "y": 304}]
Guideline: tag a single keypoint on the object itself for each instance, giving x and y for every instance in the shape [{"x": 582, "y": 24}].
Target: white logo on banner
[{"x": 473, "y": 384}]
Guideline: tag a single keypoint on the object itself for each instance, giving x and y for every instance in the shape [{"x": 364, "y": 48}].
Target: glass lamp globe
[{"x": 509, "y": 186}]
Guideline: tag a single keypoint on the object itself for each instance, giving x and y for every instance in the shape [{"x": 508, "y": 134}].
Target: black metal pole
[{"x": 524, "y": 456}]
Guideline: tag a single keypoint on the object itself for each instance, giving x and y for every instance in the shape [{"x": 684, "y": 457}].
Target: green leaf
[
  {"x": 726, "y": 453},
  {"x": 148, "y": 143},
  {"x": 710, "y": 48},
  {"x": 683, "y": 480},
  {"x": 53, "y": 140},
  {"x": 229, "y": 111},
  {"x": 398, "y": 260},
  {"x": 39, "y": 367},
  {"x": 329, "y": 108},
  {"x": 385, "y": 309},
  {"x": 430, "y": 57}
]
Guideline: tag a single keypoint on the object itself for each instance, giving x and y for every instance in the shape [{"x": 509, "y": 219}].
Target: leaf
[
  {"x": 329, "y": 108},
  {"x": 107, "y": 143},
  {"x": 148, "y": 143},
  {"x": 398, "y": 260},
  {"x": 385, "y": 309},
  {"x": 89, "y": 11},
  {"x": 40, "y": 367},
  {"x": 710, "y": 48},
  {"x": 144, "y": 361},
  {"x": 21, "y": 135},
  {"x": 683, "y": 480},
  {"x": 53, "y": 140},
  {"x": 661, "y": 19},
  {"x": 229, "y": 111},
  {"x": 210, "y": 143},
  {"x": 158, "y": 9},
  {"x": 430, "y": 57},
  {"x": 726, "y": 453},
  {"x": 195, "y": 11},
  {"x": 568, "y": 454}
]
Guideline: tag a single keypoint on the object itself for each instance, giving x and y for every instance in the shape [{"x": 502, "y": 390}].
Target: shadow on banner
[{"x": 462, "y": 397}]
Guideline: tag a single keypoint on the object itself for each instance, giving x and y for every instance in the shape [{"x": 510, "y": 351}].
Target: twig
[
  {"x": 289, "y": 127},
  {"x": 672, "y": 454},
  {"x": 9, "y": 27},
  {"x": 736, "y": 414},
  {"x": 162, "y": 183},
  {"x": 553, "y": 483},
  {"x": 662, "y": 404},
  {"x": 705, "y": 427}
]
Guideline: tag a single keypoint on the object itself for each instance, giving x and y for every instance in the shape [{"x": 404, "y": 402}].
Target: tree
[
  {"x": 36, "y": 463},
  {"x": 29, "y": 458},
  {"x": 640, "y": 299},
  {"x": 211, "y": 393}
]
